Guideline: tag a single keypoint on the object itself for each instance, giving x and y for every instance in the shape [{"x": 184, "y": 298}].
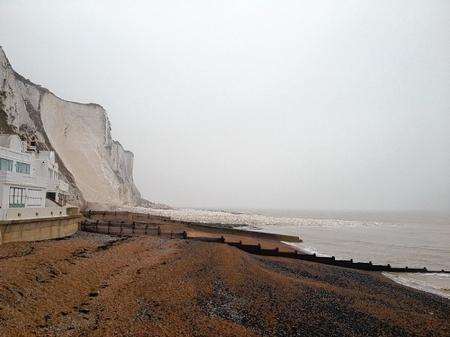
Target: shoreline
[
  {"x": 404, "y": 279},
  {"x": 269, "y": 240},
  {"x": 411, "y": 281},
  {"x": 259, "y": 221},
  {"x": 105, "y": 222}
]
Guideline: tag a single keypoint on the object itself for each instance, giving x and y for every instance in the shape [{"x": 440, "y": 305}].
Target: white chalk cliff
[{"x": 97, "y": 167}]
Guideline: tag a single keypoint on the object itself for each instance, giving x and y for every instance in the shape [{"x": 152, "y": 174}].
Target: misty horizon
[{"x": 250, "y": 105}]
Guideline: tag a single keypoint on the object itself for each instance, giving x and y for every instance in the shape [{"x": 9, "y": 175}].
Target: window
[
  {"x": 6, "y": 164},
  {"x": 22, "y": 168},
  {"x": 17, "y": 197},
  {"x": 34, "y": 198}
]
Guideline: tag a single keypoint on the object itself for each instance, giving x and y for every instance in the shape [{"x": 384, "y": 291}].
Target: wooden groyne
[
  {"x": 124, "y": 229},
  {"x": 368, "y": 266}
]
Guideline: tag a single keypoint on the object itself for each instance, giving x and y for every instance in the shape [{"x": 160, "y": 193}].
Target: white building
[{"x": 30, "y": 182}]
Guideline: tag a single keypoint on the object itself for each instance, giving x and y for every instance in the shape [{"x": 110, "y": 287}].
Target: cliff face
[{"x": 97, "y": 167}]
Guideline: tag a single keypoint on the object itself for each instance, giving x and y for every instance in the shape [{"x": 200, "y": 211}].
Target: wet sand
[{"x": 99, "y": 285}]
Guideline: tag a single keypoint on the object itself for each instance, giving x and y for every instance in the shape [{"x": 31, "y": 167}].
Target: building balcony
[
  {"x": 52, "y": 185},
  {"x": 63, "y": 186},
  {"x": 14, "y": 178},
  {"x": 57, "y": 185}
]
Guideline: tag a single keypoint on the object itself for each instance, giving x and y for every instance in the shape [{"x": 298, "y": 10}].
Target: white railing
[
  {"x": 32, "y": 213},
  {"x": 63, "y": 186}
]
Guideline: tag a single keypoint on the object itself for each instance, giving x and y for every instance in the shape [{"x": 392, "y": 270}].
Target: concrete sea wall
[{"x": 38, "y": 229}]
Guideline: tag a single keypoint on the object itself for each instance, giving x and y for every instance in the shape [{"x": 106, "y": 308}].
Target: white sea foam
[
  {"x": 435, "y": 283},
  {"x": 256, "y": 220},
  {"x": 307, "y": 249}
]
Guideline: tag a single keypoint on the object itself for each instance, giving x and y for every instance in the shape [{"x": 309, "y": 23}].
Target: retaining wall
[{"x": 38, "y": 229}]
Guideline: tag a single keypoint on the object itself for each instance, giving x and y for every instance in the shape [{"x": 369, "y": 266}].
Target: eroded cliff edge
[{"x": 98, "y": 169}]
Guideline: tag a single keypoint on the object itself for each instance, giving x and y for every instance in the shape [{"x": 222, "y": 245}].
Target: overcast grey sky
[{"x": 268, "y": 104}]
